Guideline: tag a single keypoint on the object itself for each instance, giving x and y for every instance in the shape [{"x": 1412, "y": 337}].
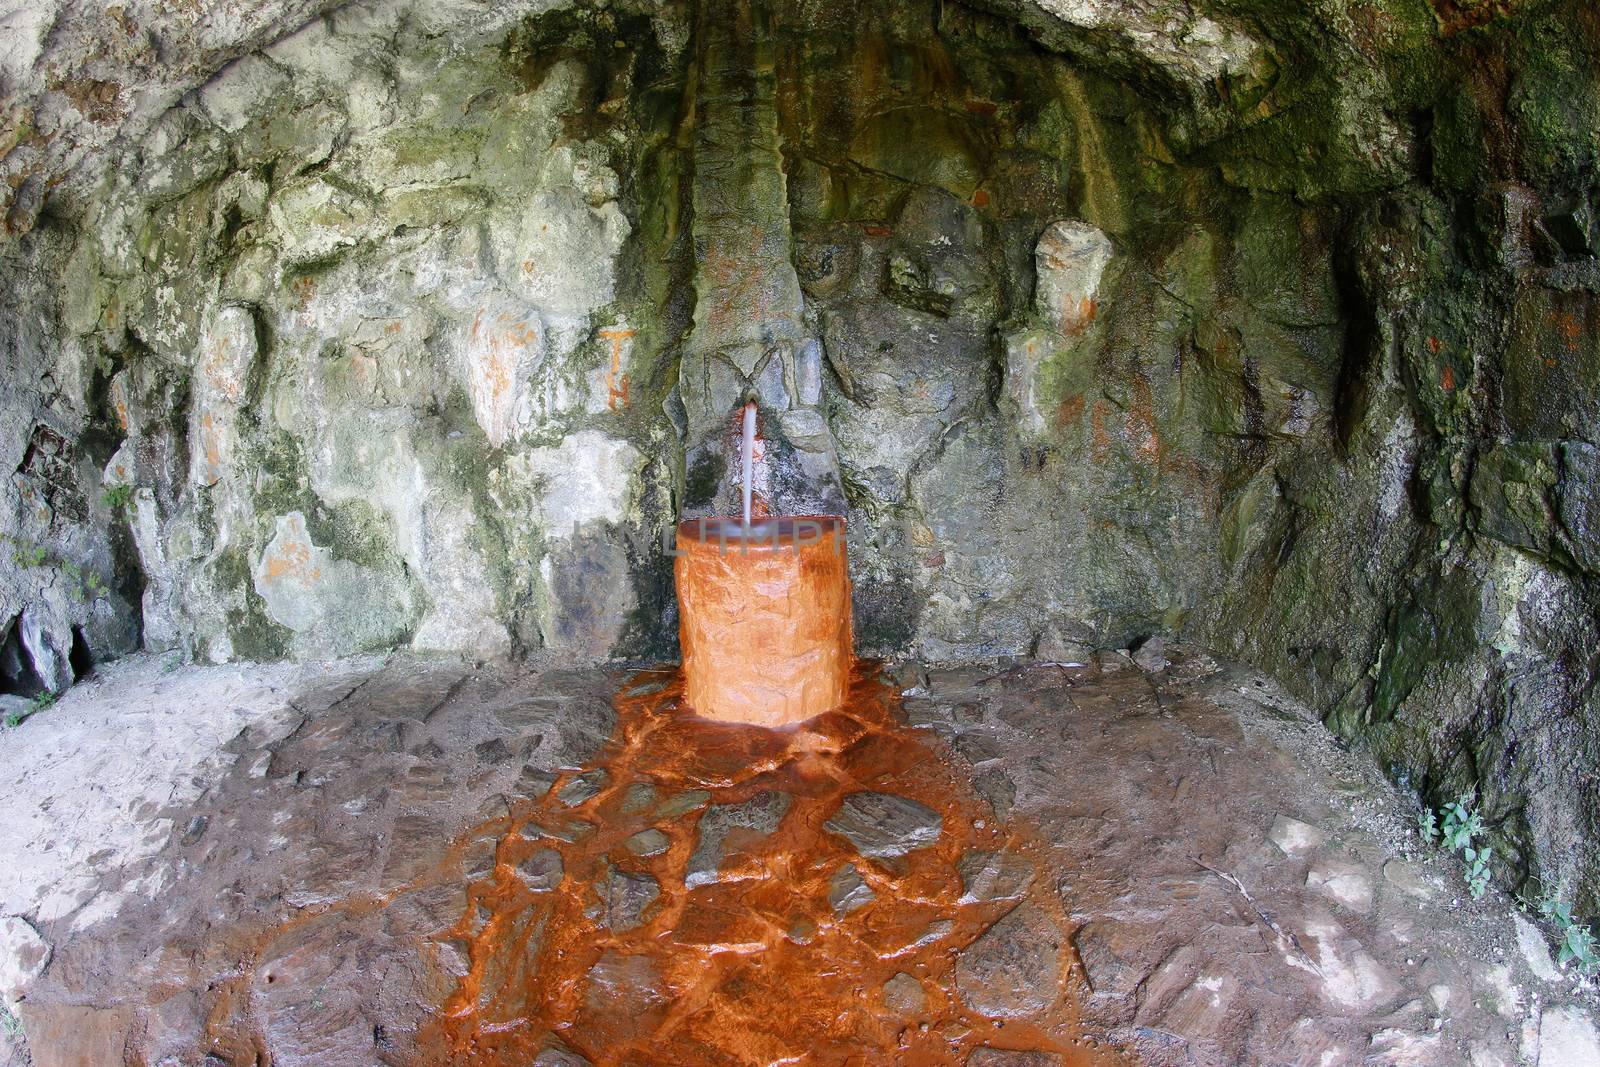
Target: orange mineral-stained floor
[{"x": 834, "y": 893}]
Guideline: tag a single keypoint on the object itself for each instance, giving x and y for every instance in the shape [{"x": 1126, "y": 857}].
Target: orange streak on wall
[
  {"x": 1071, "y": 410},
  {"x": 616, "y": 381},
  {"x": 1100, "y": 437}
]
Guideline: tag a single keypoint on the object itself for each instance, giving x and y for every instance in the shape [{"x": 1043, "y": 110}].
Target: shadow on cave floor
[{"x": 416, "y": 861}]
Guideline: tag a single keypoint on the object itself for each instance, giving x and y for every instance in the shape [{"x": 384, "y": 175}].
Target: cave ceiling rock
[{"x": 84, "y": 85}]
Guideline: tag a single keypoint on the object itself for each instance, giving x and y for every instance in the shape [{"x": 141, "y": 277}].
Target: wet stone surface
[
  {"x": 995, "y": 1057},
  {"x": 726, "y": 829},
  {"x": 903, "y": 995},
  {"x": 542, "y": 870},
  {"x": 994, "y": 876},
  {"x": 650, "y": 842},
  {"x": 427, "y": 863},
  {"x": 882, "y": 825},
  {"x": 583, "y": 788},
  {"x": 847, "y": 891},
  {"x": 1014, "y": 969},
  {"x": 626, "y": 898}
]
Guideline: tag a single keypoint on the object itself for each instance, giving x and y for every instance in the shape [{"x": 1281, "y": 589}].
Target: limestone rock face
[
  {"x": 328, "y": 602},
  {"x": 23, "y": 957},
  {"x": 750, "y": 340},
  {"x": 353, "y": 317},
  {"x": 1069, "y": 262},
  {"x": 1567, "y": 1035}
]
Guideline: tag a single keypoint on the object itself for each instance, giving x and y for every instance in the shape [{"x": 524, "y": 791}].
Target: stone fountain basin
[{"x": 764, "y": 618}]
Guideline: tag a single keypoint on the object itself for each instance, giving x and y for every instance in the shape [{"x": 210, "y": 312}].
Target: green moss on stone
[
  {"x": 254, "y": 636},
  {"x": 702, "y": 479},
  {"x": 1438, "y": 626}
]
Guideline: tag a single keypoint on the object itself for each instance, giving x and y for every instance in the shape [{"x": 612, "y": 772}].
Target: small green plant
[
  {"x": 28, "y": 553},
  {"x": 1478, "y": 870},
  {"x": 1575, "y": 942},
  {"x": 119, "y": 498},
  {"x": 38, "y": 704},
  {"x": 1461, "y": 825},
  {"x": 1428, "y": 826},
  {"x": 10, "y": 1025},
  {"x": 1456, "y": 827},
  {"x": 1578, "y": 944}
]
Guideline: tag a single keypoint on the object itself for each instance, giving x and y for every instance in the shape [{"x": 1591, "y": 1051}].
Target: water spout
[{"x": 747, "y": 457}]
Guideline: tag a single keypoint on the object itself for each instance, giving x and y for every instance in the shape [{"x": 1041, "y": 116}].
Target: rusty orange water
[{"x": 757, "y": 968}]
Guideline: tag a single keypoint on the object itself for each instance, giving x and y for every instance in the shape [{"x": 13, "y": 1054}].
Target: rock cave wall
[{"x": 406, "y": 324}]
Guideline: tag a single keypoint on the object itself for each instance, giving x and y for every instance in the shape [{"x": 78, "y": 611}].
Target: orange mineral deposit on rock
[{"x": 764, "y": 618}]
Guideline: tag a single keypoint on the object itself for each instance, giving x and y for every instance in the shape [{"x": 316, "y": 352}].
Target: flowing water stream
[{"x": 708, "y": 893}]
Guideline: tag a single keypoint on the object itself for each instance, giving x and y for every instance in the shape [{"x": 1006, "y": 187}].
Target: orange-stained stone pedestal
[{"x": 764, "y": 619}]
